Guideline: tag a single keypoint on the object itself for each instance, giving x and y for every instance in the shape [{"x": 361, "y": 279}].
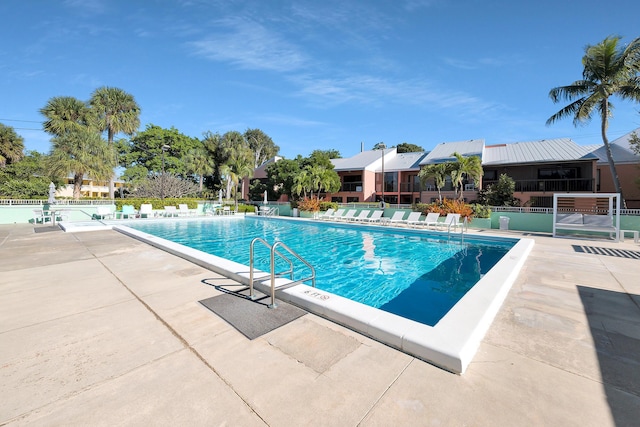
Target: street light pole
[{"x": 164, "y": 148}]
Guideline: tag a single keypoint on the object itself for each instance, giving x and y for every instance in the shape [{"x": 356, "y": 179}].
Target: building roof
[
  {"x": 365, "y": 160},
  {"x": 261, "y": 171},
  {"x": 620, "y": 150},
  {"x": 404, "y": 161},
  {"x": 542, "y": 151},
  {"x": 443, "y": 152}
]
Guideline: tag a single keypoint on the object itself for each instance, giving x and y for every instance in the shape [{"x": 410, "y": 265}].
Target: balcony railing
[
  {"x": 351, "y": 187},
  {"x": 549, "y": 185}
]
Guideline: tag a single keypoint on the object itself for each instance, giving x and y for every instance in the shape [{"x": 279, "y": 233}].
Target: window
[
  {"x": 336, "y": 199},
  {"x": 353, "y": 199},
  {"x": 558, "y": 173},
  {"x": 490, "y": 175}
]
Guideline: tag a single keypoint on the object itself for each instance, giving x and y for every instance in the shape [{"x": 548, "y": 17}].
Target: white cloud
[{"x": 249, "y": 45}]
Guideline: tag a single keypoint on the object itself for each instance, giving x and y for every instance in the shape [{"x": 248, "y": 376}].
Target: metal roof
[
  {"x": 620, "y": 150},
  {"x": 543, "y": 151},
  {"x": 364, "y": 160},
  {"x": 404, "y": 161},
  {"x": 443, "y": 152}
]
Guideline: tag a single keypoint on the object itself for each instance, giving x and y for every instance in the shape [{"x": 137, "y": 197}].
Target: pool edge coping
[{"x": 451, "y": 344}]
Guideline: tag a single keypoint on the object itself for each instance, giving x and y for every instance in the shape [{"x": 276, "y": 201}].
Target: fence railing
[
  {"x": 632, "y": 212},
  {"x": 58, "y": 202}
]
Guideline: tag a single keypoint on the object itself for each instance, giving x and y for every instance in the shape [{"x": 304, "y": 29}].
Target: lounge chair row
[
  {"x": 146, "y": 211},
  {"x": 430, "y": 220}
]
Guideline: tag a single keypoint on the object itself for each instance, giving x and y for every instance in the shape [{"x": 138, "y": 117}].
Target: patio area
[{"x": 97, "y": 328}]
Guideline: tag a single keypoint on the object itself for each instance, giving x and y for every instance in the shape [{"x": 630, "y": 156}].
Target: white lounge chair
[
  {"x": 183, "y": 210},
  {"x": 327, "y": 214},
  {"x": 349, "y": 215},
  {"x": 452, "y": 220},
  {"x": 362, "y": 216},
  {"x": 170, "y": 211},
  {"x": 146, "y": 210},
  {"x": 337, "y": 214},
  {"x": 431, "y": 219},
  {"x": 103, "y": 212},
  {"x": 413, "y": 218},
  {"x": 398, "y": 216},
  {"x": 376, "y": 216}
]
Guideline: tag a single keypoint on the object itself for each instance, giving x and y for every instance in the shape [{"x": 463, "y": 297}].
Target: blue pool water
[{"x": 416, "y": 275}]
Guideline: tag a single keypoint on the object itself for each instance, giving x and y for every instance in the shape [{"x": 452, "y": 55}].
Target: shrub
[
  {"x": 309, "y": 205},
  {"x": 325, "y": 206},
  {"x": 481, "y": 211},
  {"x": 446, "y": 207}
]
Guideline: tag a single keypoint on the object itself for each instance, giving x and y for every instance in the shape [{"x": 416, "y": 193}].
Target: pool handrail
[{"x": 273, "y": 274}]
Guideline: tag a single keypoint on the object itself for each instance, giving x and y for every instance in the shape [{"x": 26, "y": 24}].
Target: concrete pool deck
[{"x": 97, "y": 328}]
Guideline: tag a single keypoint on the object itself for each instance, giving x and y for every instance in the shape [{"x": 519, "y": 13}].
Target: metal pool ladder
[{"x": 273, "y": 249}]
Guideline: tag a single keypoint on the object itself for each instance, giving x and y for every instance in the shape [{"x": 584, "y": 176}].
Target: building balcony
[
  {"x": 550, "y": 185},
  {"x": 351, "y": 187}
]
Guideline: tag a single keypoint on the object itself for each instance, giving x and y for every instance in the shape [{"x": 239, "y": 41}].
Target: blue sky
[{"x": 311, "y": 74}]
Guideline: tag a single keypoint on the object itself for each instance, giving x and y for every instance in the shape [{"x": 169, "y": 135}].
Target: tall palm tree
[
  {"x": 609, "y": 69},
  {"x": 81, "y": 152},
  {"x": 465, "y": 167},
  {"x": 438, "y": 172},
  {"x": 64, "y": 114},
  {"x": 114, "y": 111},
  {"x": 302, "y": 183},
  {"x": 200, "y": 163},
  {"x": 239, "y": 166}
]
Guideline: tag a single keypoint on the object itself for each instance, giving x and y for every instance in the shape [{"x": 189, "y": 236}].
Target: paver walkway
[{"x": 99, "y": 329}]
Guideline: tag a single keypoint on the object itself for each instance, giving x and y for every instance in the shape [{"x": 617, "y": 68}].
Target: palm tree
[
  {"x": 11, "y": 146},
  {"x": 465, "y": 167},
  {"x": 114, "y": 111},
  {"x": 437, "y": 172},
  {"x": 200, "y": 163},
  {"x": 64, "y": 114},
  {"x": 81, "y": 152},
  {"x": 329, "y": 181},
  {"x": 302, "y": 183},
  {"x": 609, "y": 70},
  {"x": 239, "y": 166}
]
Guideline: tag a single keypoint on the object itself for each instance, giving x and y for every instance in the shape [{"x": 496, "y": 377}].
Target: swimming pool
[
  {"x": 451, "y": 343},
  {"x": 419, "y": 276}
]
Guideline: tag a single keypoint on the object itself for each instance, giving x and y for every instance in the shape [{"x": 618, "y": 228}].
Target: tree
[
  {"x": 27, "y": 178},
  {"x": 64, "y": 114},
  {"x": 200, "y": 163},
  {"x": 114, "y": 111},
  {"x": 438, "y": 172},
  {"x": 11, "y": 146},
  {"x": 608, "y": 70},
  {"x": 168, "y": 185},
  {"x": 634, "y": 143},
  {"x": 281, "y": 175},
  {"x": 500, "y": 193},
  {"x": 81, "y": 152},
  {"x": 302, "y": 183},
  {"x": 146, "y": 150},
  {"x": 239, "y": 166},
  {"x": 469, "y": 168},
  {"x": 262, "y": 146},
  {"x": 405, "y": 147},
  {"x": 329, "y": 154}
]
